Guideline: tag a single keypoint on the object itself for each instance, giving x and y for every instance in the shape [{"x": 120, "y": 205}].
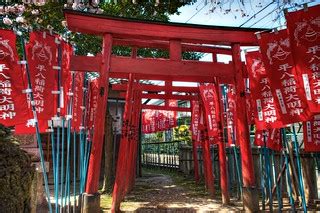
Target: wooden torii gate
[{"x": 176, "y": 38}]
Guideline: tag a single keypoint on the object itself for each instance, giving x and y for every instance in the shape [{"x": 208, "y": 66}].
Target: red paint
[
  {"x": 97, "y": 143},
  {"x": 166, "y": 97},
  {"x": 152, "y": 69},
  {"x": 242, "y": 130},
  {"x": 137, "y": 29},
  {"x": 207, "y": 163},
  {"x": 156, "y": 107},
  {"x": 170, "y": 67},
  {"x": 195, "y": 137},
  {"x": 119, "y": 188},
  {"x": 165, "y": 45},
  {"x": 160, "y": 77},
  {"x": 157, "y": 88},
  {"x": 222, "y": 153},
  {"x": 175, "y": 50}
]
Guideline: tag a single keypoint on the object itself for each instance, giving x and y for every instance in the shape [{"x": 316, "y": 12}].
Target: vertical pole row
[{"x": 42, "y": 161}]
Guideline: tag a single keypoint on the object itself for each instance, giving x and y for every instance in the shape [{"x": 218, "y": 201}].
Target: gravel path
[{"x": 159, "y": 193}]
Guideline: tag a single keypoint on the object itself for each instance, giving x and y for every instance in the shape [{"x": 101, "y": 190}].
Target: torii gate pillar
[
  {"x": 250, "y": 192},
  {"x": 91, "y": 199}
]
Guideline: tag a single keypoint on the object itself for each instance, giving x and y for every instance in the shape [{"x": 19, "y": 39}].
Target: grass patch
[{"x": 105, "y": 201}]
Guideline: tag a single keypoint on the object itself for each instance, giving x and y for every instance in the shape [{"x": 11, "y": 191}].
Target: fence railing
[{"x": 161, "y": 154}]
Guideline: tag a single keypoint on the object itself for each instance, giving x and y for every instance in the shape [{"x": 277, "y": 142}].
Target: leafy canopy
[{"x": 51, "y": 15}]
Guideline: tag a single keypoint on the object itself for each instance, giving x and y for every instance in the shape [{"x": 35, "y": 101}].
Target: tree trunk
[{"x": 108, "y": 178}]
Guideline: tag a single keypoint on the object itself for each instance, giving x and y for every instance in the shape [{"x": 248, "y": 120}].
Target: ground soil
[{"x": 169, "y": 192}]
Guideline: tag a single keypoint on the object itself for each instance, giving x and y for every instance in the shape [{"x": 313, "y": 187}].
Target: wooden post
[
  {"x": 119, "y": 188},
  {"x": 175, "y": 50},
  {"x": 97, "y": 143},
  {"x": 250, "y": 193},
  {"x": 195, "y": 155},
  {"x": 222, "y": 153},
  {"x": 108, "y": 154},
  {"x": 207, "y": 162}
]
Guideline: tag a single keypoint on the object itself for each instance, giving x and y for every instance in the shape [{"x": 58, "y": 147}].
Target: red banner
[
  {"x": 231, "y": 113},
  {"x": 304, "y": 33},
  {"x": 148, "y": 121},
  {"x": 41, "y": 55},
  {"x": 93, "y": 101},
  {"x": 211, "y": 106},
  {"x": 265, "y": 112},
  {"x": 250, "y": 110},
  {"x": 77, "y": 110},
  {"x": 13, "y": 103},
  {"x": 172, "y": 115},
  {"x": 271, "y": 137},
  {"x": 29, "y": 127},
  {"x": 195, "y": 119},
  {"x": 289, "y": 96},
  {"x": 158, "y": 120},
  {"x": 311, "y": 134},
  {"x": 66, "y": 76}
]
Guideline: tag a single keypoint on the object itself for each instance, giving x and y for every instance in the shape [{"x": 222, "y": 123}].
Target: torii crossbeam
[{"x": 176, "y": 38}]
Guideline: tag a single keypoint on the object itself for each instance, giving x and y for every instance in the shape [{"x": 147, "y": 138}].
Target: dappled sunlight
[
  {"x": 171, "y": 186},
  {"x": 163, "y": 191}
]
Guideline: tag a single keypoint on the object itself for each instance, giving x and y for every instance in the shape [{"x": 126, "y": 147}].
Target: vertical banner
[
  {"x": 211, "y": 106},
  {"x": 161, "y": 120},
  {"x": 13, "y": 103},
  {"x": 281, "y": 71},
  {"x": 271, "y": 137},
  {"x": 311, "y": 134},
  {"x": 94, "y": 92},
  {"x": 172, "y": 115},
  {"x": 41, "y": 55},
  {"x": 231, "y": 113},
  {"x": 304, "y": 33},
  {"x": 148, "y": 121},
  {"x": 66, "y": 76},
  {"x": 77, "y": 108},
  {"x": 265, "y": 112},
  {"x": 195, "y": 119}
]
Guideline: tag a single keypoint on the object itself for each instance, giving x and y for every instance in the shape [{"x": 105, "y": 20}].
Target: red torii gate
[{"x": 176, "y": 38}]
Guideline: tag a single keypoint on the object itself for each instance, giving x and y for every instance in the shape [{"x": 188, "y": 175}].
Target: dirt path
[{"x": 156, "y": 192}]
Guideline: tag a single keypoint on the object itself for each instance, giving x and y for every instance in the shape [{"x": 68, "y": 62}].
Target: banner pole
[
  {"x": 42, "y": 162},
  {"x": 262, "y": 178},
  {"x": 281, "y": 182},
  {"x": 275, "y": 181},
  {"x": 268, "y": 172},
  {"x": 301, "y": 185},
  {"x": 285, "y": 152}
]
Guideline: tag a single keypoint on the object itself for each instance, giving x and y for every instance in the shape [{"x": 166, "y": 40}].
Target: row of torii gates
[{"x": 176, "y": 38}]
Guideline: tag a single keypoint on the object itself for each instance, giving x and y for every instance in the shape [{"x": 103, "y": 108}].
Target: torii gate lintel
[{"x": 176, "y": 37}]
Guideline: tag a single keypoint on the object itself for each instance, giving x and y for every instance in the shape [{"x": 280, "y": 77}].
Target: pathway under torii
[{"x": 176, "y": 38}]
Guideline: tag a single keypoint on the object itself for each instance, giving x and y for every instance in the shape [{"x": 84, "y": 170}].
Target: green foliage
[
  {"x": 182, "y": 133},
  {"x": 51, "y": 15}
]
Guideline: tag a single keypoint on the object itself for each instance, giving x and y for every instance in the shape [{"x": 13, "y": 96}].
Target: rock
[{"x": 16, "y": 174}]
